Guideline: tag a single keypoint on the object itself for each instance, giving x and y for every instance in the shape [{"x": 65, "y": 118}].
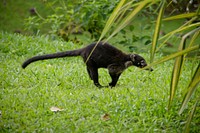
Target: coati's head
[{"x": 139, "y": 61}]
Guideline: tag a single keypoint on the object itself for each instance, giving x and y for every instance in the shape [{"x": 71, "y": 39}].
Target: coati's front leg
[
  {"x": 115, "y": 78},
  {"x": 115, "y": 71}
]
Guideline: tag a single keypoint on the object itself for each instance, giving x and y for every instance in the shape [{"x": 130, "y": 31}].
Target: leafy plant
[{"x": 73, "y": 17}]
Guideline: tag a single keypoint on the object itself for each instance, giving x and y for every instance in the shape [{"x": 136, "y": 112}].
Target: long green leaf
[
  {"x": 156, "y": 32},
  {"x": 181, "y": 16},
  {"x": 169, "y": 57},
  {"x": 187, "y": 125},
  {"x": 194, "y": 37},
  {"x": 124, "y": 10},
  {"x": 112, "y": 18},
  {"x": 176, "y": 75},
  {"x": 182, "y": 28},
  {"x": 129, "y": 17},
  {"x": 191, "y": 88},
  {"x": 178, "y": 67}
]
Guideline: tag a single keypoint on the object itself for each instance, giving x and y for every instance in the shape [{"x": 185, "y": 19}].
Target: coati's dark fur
[{"x": 104, "y": 56}]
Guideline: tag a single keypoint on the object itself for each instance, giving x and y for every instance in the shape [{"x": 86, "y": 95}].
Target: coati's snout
[{"x": 144, "y": 65}]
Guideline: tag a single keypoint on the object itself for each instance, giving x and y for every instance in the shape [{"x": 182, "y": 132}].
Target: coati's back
[{"x": 103, "y": 54}]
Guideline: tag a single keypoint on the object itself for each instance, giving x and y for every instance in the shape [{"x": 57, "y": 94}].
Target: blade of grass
[
  {"x": 178, "y": 67},
  {"x": 182, "y": 28},
  {"x": 129, "y": 17},
  {"x": 124, "y": 10},
  {"x": 156, "y": 32},
  {"x": 175, "y": 76},
  {"x": 111, "y": 19},
  {"x": 194, "y": 37},
  {"x": 187, "y": 125},
  {"x": 169, "y": 57},
  {"x": 191, "y": 88},
  {"x": 181, "y": 16}
]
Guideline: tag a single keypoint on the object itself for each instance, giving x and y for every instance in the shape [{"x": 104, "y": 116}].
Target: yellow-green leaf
[
  {"x": 112, "y": 18},
  {"x": 181, "y": 16},
  {"x": 169, "y": 57},
  {"x": 156, "y": 32},
  {"x": 187, "y": 125},
  {"x": 129, "y": 17},
  {"x": 191, "y": 88}
]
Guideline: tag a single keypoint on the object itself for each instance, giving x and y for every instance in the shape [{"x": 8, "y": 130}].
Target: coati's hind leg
[
  {"x": 93, "y": 73},
  {"x": 115, "y": 71}
]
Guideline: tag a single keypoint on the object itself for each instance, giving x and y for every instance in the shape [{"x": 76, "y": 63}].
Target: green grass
[{"x": 137, "y": 104}]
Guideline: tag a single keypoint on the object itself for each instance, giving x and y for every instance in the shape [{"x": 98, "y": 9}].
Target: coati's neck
[{"x": 128, "y": 64}]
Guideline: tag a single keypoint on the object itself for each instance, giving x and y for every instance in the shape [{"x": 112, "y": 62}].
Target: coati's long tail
[{"x": 52, "y": 56}]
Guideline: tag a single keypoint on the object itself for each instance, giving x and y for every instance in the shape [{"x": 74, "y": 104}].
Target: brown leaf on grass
[
  {"x": 55, "y": 109},
  {"x": 105, "y": 117}
]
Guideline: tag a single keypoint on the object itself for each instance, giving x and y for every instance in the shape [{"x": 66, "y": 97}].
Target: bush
[{"x": 73, "y": 17}]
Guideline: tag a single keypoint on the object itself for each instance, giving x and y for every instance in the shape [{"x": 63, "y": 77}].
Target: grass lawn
[{"x": 137, "y": 104}]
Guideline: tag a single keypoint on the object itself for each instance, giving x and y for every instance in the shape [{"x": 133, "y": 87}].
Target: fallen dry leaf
[
  {"x": 56, "y": 109},
  {"x": 105, "y": 117}
]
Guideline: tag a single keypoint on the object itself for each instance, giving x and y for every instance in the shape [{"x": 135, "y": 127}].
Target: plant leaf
[
  {"x": 181, "y": 16},
  {"x": 169, "y": 57},
  {"x": 129, "y": 17},
  {"x": 180, "y": 29},
  {"x": 194, "y": 37},
  {"x": 156, "y": 32},
  {"x": 111, "y": 19},
  {"x": 187, "y": 125},
  {"x": 177, "y": 68},
  {"x": 191, "y": 88}
]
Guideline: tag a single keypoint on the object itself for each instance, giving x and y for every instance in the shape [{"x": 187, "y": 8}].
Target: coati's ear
[{"x": 132, "y": 56}]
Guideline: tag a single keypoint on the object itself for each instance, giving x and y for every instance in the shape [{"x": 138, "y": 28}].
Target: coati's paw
[
  {"x": 98, "y": 85},
  {"x": 111, "y": 85}
]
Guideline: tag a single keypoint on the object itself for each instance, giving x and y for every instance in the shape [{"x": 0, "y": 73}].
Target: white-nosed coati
[{"x": 103, "y": 56}]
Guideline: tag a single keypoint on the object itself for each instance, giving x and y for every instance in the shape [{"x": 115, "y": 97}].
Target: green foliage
[
  {"x": 74, "y": 16},
  {"x": 137, "y": 104}
]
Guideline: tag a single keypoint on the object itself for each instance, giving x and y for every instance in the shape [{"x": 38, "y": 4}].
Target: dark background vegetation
[{"x": 82, "y": 21}]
